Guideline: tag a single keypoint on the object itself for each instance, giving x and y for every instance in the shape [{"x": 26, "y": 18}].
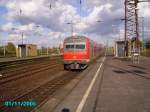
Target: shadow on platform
[{"x": 120, "y": 70}]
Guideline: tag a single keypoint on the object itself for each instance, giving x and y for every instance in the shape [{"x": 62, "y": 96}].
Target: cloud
[
  {"x": 40, "y": 13},
  {"x": 6, "y": 27},
  {"x": 52, "y": 16}
]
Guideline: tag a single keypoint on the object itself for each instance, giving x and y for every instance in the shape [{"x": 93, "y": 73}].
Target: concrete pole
[
  {"x": 143, "y": 43},
  {"x": 72, "y": 30},
  {"x": 137, "y": 30},
  {"x": 4, "y": 50},
  {"x": 41, "y": 51},
  {"x": 22, "y": 37},
  {"x": 47, "y": 50},
  {"x": 125, "y": 28},
  {"x": 22, "y": 31}
]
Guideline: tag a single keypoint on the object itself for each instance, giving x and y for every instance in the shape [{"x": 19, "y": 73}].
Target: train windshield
[
  {"x": 75, "y": 47},
  {"x": 80, "y": 46},
  {"x": 69, "y": 46}
]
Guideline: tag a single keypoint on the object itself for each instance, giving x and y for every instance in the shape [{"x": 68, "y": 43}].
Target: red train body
[{"x": 78, "y": 51}]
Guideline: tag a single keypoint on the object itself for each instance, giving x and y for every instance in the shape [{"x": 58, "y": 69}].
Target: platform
[
  {"x": 125, "y": 87},
  {"x": 119, "y": 86}
]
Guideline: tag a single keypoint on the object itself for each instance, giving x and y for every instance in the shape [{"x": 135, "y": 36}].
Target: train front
[{"x": 76, "y": 52}]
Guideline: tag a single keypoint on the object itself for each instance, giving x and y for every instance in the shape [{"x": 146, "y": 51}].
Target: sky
[{"x": 44, "y": 22}]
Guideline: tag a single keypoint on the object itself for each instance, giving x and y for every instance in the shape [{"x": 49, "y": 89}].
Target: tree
[
  {"x": 1, "y": 51},
  {"x": 10, "y": 49}
]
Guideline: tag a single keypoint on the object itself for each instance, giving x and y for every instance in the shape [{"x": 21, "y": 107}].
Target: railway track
[
  {"x": 10, "y": 71},
  {"x": 27, "y": 70},
  {"x": 9, "y": 64},
  {"x": 39, "y": 93},
  {"x": 14, "y": 88},
  {"x": 26, "y": 73},
  {"x": 4, "y": 66},
  {"x": 42, "y": 92},
  {"x": 27, "y": 67}
]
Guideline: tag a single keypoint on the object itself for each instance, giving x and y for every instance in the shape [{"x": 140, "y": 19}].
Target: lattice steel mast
[{"x": 131, "y": 24}]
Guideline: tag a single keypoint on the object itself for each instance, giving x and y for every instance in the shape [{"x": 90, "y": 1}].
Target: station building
[
  {"x": 120, "y": 48},
  {"x": 26, "y": 50},
  {"x": 130, "y": 48}
]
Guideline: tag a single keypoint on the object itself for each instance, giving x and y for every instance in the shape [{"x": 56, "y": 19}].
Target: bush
[{"x": 146, "y": 53}]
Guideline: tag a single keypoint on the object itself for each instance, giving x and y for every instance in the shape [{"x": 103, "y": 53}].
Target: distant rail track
[
  {"x": 28, "y": 69},
  {"x": 6, "y": 65},
  {"x": 26, "y": 72}
]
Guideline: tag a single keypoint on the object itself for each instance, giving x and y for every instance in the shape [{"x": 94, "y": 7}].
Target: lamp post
[
  {"x": 46, "y": 50},
  {"x": 141, "y": 30},
  {"x": 22, "y": 34},
  {"x": 4, "y": 51},
  {"x": 4, "y": 48},
  {"x": 143, "y": 43},
  {"x": 99, "y": 21},
  {"x": 71, "y": 24}
]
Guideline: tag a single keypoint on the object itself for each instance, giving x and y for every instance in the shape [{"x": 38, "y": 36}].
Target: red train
[{"x": 78, "y": 51}]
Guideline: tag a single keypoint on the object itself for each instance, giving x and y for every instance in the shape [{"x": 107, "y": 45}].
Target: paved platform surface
[
  {"x": 120, "y": 86},
  {"x": 125, "y": 87}
]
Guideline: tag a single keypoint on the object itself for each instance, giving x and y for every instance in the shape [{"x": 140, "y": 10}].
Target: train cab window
[
  {"x": 69, "y": 46},
  {"x": 75, "y": 47},
  {"x": 80, "y": 46}
]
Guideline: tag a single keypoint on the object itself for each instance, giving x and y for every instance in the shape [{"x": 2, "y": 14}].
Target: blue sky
[
  {"x": 3, "y": 11},
  {"x": 52, "y": 27}
]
